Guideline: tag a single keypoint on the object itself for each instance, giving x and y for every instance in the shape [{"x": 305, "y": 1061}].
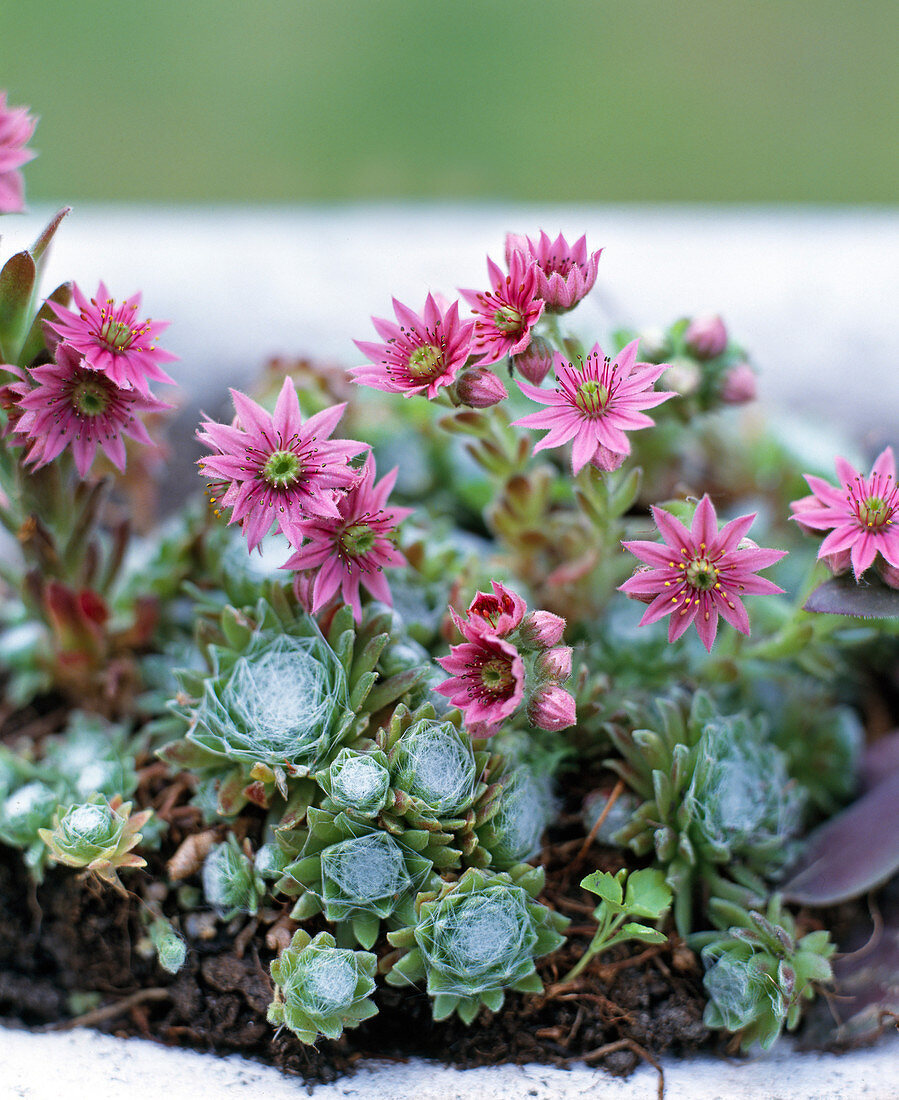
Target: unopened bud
[
  {"x": 542, "y": 629},
  {"x": 739, "y": 385},
  {"x": 706, "y": 337},
  {"x": 889, "y": 574},
  {"x": 479, "y": 388},
  {"x": 535, "y": 362},
  {"x": 607, "y": 460},
  {"x": 682, "y": 376},
  {"x": 555, "y": 664},
  {"x": 551, "y": 708}
]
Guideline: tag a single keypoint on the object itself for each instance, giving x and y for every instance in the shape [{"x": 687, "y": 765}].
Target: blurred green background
[{"x": 290, "y": 100}]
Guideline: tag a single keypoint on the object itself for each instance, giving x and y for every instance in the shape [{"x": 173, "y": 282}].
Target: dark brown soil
[{"x": 69, "y": 937}]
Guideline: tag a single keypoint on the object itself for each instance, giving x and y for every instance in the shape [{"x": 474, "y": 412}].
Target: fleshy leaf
[
  {"x": 852, "y": 853},
  {"x": 842, "y": 596}
]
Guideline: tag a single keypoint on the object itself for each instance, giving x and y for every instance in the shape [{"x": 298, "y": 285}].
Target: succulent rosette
[
  {"x": 321, "y": 989},
  {"x": 232, "y": 883},
  {"x": 353, "y": 872},
  {"x": 97, "y": 835},
  {"x": 475, "y": 938}
]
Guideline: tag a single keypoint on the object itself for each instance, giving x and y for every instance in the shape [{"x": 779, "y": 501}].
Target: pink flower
[
  {"x": 355, "y": 548},
  {"x": 565, "y": 273},
  {"x": 507, "y": 313},
  {"x": 738, "y": 386},
  {"x": 497, "y": 613},
  {"x": 420, "y": 355},
  {"x": 487, "y": 680},
  {"x": 706, "y": 337},
  {"x": 699, "y": 573},
  {"x": 275, "y": 468},
  {"x": 113, "y": 340},
  {"x": 860, "y": 514},
  {"x": 16, "y": 128},
  {"x": 595, "y": 403},
  {"x": 551, "y": 708},
  {"x": 73, "y": 405}
]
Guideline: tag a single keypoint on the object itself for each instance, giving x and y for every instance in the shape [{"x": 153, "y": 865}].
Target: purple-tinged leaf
[
  {"x": 880, "y": 760},
  {"x": 852, "y": 853},
  {"x": 41, "y": 245},
  {"x": 871, "y": 599}
]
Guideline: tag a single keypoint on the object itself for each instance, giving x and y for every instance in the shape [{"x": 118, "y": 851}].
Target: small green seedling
[{"x": 646, "y": 895}]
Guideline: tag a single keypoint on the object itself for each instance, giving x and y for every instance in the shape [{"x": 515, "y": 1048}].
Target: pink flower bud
[
  {"x": 542, "y": 629},
  {"x": 606, "y": 460},
  {"x": 738, "y": 386},
  {"x": 479, "y": 388},
  {"x": 682, "y": 376},
  {"x": 551, "y": 708},
  {"x": 555, "y": 663},
  {"x": 535, "y": 362},
  {"x": 706, "y": 337},
  {"x": 889, "y": 574}
]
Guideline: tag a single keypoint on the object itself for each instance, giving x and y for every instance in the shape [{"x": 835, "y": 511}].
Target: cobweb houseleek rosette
[
  {"x": 475, "y": 938},
  {"x": 98, "y": 836},
  {"x": 355, "y": 873},
  {"x": 699, "y": 573},
  {"x": 321, "y": 989},
  {"x": 718, "y": 806},
  {"x": 443, "y": 785}
]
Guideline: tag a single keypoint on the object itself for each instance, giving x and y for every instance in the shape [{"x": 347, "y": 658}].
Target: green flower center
[
  {"x": 701, "y": 574},
  {"x": 592, "y": 397},
  {"x": 116, "y": 335},
  {"x": 875, "y": 512},
  {"x": 425, "y": 361},
  {"x": 496, "y": 675},
  {"x": 357, "y": 540},
  {"x": 90, "y": 398},
  {"x": 508, "y": 319},
  {"x": 282, "y": 469}
]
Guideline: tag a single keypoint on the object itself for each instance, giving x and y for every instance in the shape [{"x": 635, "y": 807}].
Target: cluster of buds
[{"x": 508, "y": 658}]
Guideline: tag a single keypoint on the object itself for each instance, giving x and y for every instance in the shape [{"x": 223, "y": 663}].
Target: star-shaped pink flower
[
  {"x": 594, "y": 403},
  {"x": 699, "y": 573},
  {"x": 355, "y": 548},
  {"x": 275, "y": 468},
  {"x": 507, "y": 312},
  {"x": 860, "y": 513},
  {"x": 565, "y": 272},
  {"x": 16, "y": 128}
]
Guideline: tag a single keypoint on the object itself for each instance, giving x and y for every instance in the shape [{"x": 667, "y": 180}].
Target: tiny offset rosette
[
  {"x": 275, "y": 469},
  {"x": 97, "y": 835},
  {"x": 354, "y": 548},
  {"x": 420, "y": 354},
  {"x": 699, "y": 573},
  {"x": 594, "y": 403},
  {"x": 860, "y": 513},
  {"x": 112, "y": 339},
  {"x": 16, "y": 128},
  {"x": 508, "y": 659},
  {"x": 565, "y": 273}
]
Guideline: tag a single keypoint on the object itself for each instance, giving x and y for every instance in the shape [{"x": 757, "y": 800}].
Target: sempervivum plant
[
  {"x": 758, "y": 973},
  {"x": 716, "y": 794},
  {"x": 280, "y": 699},
  {"x": 356, "y": 873},
  {"x": 97, "y": 835},
  {"x": 320, "y": 988},
  {"x": 442, "y": 782},
  {"x": 475, "y": 938},
  {"x": 23, "y": 813},
  {"x": 231, "y": 881}
]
